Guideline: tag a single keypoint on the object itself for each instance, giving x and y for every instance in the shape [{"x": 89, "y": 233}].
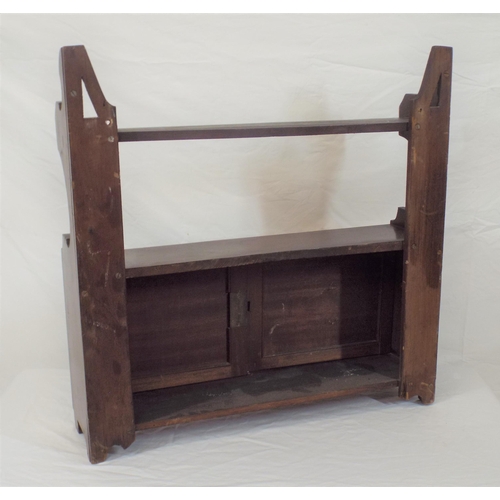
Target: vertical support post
[
  {"x": 245, "y": 318},
  {"x": 429, "y": 113},
  {"x": 93, "y": 260}
]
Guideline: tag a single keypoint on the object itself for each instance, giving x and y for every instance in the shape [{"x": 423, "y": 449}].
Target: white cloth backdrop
[{"x": 161, "y": 70}]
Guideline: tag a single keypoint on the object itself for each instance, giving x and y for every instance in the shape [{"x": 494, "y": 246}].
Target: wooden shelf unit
[{"x": 173, "y": 334}]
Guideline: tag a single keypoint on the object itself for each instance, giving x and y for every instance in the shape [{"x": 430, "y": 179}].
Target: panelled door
[
  {"x": 311, "y": 310},
  {"x": 212, "y": 324}
]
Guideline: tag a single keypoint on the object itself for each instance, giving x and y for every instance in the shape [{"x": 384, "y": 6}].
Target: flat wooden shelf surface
[
  {"x": 170, "y": 259},
  {"x": 265, "y": 390},
  {"x": 263, "y": 130}
]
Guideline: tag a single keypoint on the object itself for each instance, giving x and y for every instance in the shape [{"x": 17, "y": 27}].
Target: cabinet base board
[{"x": 265, "y": 390}]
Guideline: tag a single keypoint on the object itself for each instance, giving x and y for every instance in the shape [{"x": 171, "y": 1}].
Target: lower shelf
[{"x": 265, "y": 390}]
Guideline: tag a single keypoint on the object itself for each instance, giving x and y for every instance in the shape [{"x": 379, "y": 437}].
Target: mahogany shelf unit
[{"x": 173, "y": 334}]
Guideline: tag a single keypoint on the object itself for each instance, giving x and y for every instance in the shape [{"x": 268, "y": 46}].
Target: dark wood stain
[
  {"x": 95, "y": 265},
  {"x": 387, "y": 300},
  {"x": 245, "y": 341},
  {"x": 182, "y": 378},
  {"x": 244, "y": 251},
  {"x": 177, "y": 323},
  {"x": 265, "y": 390},
  {"x": 345, "y": 351},
  {"x": 264, "y": 130},
  {"x": 313, "y": 304},
  {"x": 424, "y": 229},
  {"x": 173, "y": 334}
]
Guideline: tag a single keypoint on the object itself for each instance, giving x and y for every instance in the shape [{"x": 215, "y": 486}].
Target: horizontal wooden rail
[{"x": 263, "y": 130}]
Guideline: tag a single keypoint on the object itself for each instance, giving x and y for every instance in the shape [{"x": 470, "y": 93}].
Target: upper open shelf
[
  {"x": 216, "y": 254},
  {"x": 264, "y": 130}
]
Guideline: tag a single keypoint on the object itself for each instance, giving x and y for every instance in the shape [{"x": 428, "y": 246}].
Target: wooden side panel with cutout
[
  {"x": 428, "y": 137},
  {"x": 93, "y": 260}
]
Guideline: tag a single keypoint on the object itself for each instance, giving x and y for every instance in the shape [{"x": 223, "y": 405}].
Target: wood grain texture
[
  {"x": 346, "y": 351},
  {"x": 263, "y": 130},
  {"x": 177, "y": 323},
  {"x": 94, "y": 261},
  {"x": 313, "y": 304},
  {"x": 265, "y": 390},
  {"x": 237, "y": 252},
  {"x": 183, "y": 378},
  {"x": 74, "y": 331},
  {"x": 429, "y": 114},
  {"x": 387, "y": 308},
  {"x": 246, "y": 318},
  {"x": 397, "y": 323},
  {"x": 210, "y": 329}
]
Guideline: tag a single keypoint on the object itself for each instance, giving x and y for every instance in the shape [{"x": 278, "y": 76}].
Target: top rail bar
[{"x": 264, "y": 130}]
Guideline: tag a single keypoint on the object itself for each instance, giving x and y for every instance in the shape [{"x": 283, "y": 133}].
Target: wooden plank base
[{"x": 265, "y": 390}]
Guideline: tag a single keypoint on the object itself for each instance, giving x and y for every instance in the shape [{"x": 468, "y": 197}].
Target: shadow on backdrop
[{"x": 295, "y": 183}]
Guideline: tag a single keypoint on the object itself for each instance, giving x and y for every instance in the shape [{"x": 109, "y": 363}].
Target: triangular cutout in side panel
[
  {"x": 437, "y": 94},
  {"x": 89, "y": 110}
]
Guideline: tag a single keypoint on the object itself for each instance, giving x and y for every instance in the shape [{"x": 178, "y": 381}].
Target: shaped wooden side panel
[
  {"x": 428, "y": 136},
  {"x": 94, "y": 261}
]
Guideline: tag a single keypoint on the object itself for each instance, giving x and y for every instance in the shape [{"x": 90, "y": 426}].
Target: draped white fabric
[{"x": 167, "y": 70}]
